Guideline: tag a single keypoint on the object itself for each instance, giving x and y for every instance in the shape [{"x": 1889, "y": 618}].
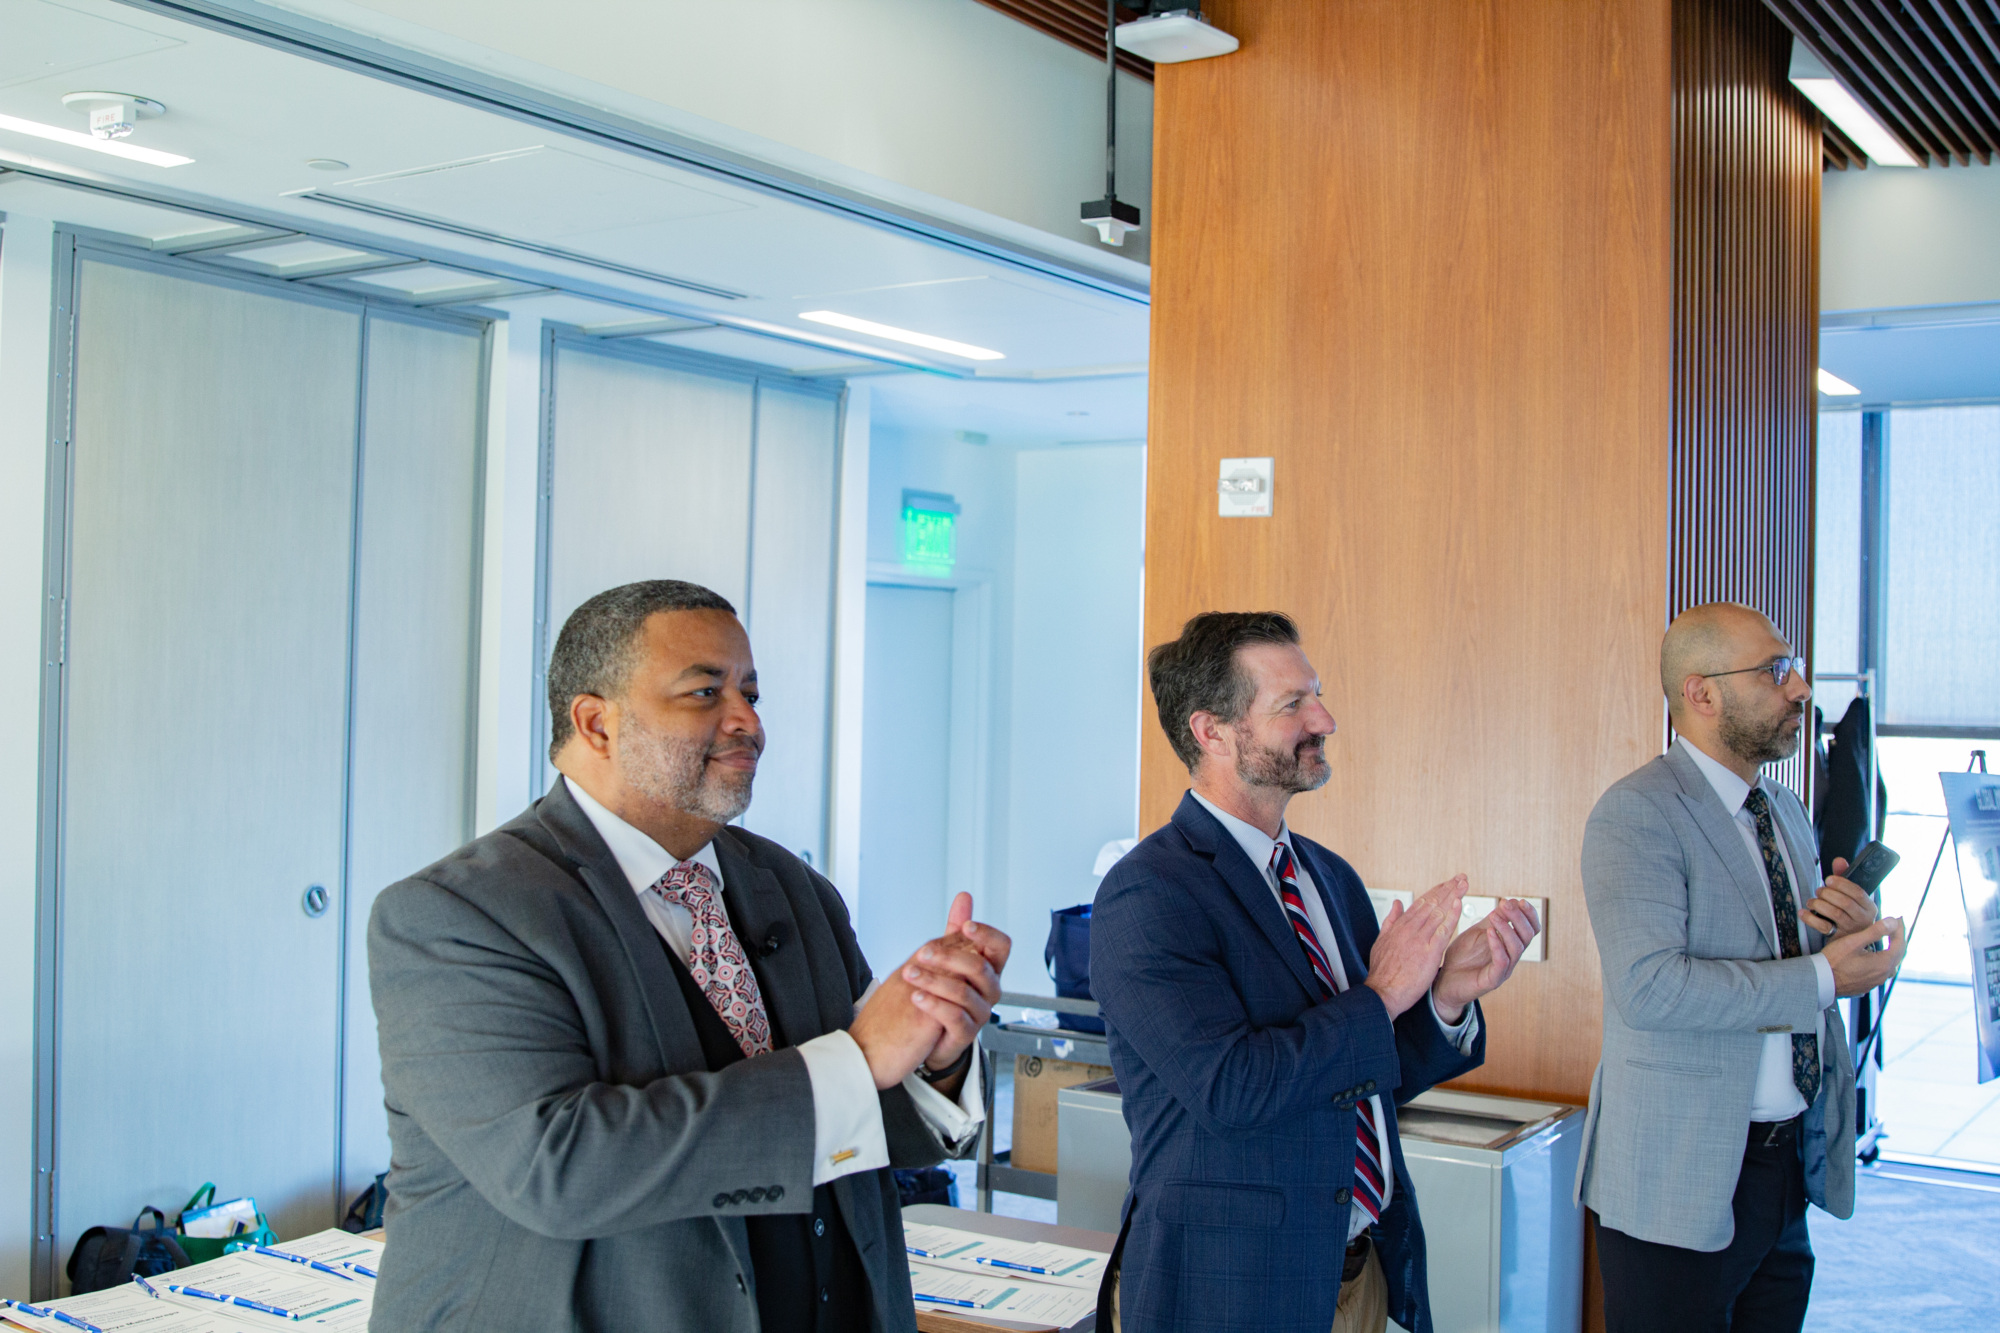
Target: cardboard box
[{"x": 1036, "y": 1082}]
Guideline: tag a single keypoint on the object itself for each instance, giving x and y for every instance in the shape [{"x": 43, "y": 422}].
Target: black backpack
[
  {"x": 111, "y": 1256},
  {"x": 365, "y": 1213}
]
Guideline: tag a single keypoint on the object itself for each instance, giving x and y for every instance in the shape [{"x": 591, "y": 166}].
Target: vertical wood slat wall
[{"x": 1747, "y": 161}]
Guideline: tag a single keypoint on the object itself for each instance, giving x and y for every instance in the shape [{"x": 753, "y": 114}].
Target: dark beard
[
  {"x": 676, "y": 772},
  {"x": 1757, "y": 742},
  {"x": 1302, "y": 769}
]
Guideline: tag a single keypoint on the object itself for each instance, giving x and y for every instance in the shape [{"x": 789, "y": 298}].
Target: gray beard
[
  {"x": 1756, "y": 742},
  {"x": 1287, "y": 770},
  {"x": 676, "y": 773}
]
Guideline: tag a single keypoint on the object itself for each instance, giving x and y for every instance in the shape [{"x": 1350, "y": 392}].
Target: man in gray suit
[
  {"x": 637, "y": 1073},
  {"x": 1725, "y": 1096}
]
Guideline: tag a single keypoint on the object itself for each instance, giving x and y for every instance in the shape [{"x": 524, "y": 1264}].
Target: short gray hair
[{"x": 599, "y": 643}]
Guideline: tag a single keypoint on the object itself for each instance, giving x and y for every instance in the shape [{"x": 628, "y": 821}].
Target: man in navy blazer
[{"x": 1263, "y": 1028}]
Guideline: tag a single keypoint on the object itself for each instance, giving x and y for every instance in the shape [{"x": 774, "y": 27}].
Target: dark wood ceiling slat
[
  {"x": 1978, "y": 34},
  {"x": 1853, "y": 67},
  {"x": 1077, "y": 23},
  {"x": 1865, "y": 51},
  {"x": 1965, "y": 68},
  {"x": 1892, "y": 44}
]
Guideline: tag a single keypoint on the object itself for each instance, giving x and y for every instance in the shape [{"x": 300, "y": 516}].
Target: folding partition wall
[
  {"x": 259, "y": 712},
  {"x": 664, "y": 465}
]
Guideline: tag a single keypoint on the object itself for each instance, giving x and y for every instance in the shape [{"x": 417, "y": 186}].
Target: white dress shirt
[
  {"x": 847, "y": 1114},
  {"x": 1776, "y": 1096},
  {"x": 1258, "y": 848}
]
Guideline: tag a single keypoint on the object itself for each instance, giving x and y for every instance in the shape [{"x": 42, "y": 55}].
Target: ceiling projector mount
[{"x": 1164, "y": 36}]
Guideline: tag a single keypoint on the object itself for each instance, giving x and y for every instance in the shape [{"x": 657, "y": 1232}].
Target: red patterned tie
[
  {"x": 715, "y": 957},
  {"x": 1367, "y": 1139}
]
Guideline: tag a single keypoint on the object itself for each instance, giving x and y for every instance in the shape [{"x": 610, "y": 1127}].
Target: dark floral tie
[{"x": 1785, "y": 907}]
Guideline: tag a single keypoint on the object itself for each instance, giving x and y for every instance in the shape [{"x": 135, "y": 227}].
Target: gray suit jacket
[
  {"x": 563, "y": 1158},
  {"x": 1693, "y": 981}
]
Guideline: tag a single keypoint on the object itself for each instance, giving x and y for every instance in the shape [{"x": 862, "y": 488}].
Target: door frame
[{"x": 970, "y": 732}]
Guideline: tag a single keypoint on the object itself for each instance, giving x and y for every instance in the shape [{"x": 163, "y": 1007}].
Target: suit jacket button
[
  {"x": 1369, "y": 1086},
  {"x": 774, "y": 1193},
  {"x": 1341, "y": 1196},
  {"x": 757, "y": 1194},
  {"x": 739, "y": 1285},
  {"x": 722, "y": 1201},
  {"x": 739, "y": 1196}
]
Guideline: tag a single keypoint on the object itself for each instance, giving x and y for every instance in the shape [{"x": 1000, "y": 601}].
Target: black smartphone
[{"x": 1871, "y": 866}]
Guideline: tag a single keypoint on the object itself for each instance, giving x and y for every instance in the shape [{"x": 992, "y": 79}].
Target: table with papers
[
  {"x": 222, "y": 1295},
  {"x": 975, "y": 1271}
]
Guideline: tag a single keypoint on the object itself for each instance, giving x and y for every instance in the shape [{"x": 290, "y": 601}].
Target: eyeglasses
[{"x": 1779, "y": 671}]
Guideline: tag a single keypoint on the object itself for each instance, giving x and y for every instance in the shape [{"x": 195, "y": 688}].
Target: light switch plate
[
  {"x": 1243, "y": 490},
  {"x": 1471, "y": 911}
]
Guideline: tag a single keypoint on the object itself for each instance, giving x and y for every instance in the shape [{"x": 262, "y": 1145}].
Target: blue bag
[{"x": 1067, "y": 958}]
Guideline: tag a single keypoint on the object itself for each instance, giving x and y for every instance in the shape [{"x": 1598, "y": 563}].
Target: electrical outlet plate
[{"x": 1471, "y": 912}]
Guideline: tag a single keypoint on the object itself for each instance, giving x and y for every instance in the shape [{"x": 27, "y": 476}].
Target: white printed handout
[
  {"x": 939, "y": 1288},
  {"x": 126, "y": 1309},
  {"x": 293, "y": 1293},
  {"x": 970, "y": 1252}
]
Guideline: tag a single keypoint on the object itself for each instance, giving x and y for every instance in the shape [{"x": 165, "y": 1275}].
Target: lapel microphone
[{"x": 775, "y": 938}]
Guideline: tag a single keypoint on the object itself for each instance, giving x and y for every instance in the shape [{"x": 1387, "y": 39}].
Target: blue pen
[
  {"x": 261, "y": 1308},
  {"x": 299, "y": 1259},
  {"x": 70, "y": 1319},
  {"x": 924, "y": 1254},
  {"x": 196, "y": 1292},
  {"x": 362, "y": 1269},
  {"x": 1019, "y": 1268},
  {"x": 146, "y": 1286},
  {"x": 946, "y": 1300}
]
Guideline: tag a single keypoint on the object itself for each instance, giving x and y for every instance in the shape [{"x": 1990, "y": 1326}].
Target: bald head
[{"x": 1716, "y": 636}]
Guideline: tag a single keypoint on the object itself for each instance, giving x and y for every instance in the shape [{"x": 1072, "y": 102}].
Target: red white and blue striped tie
[{"x": 1367, "y": 1139}]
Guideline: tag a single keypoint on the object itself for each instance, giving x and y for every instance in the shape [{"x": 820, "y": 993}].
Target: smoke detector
[
  {"x": 1167, "y": 37},
  {"x": 113, "y": 115}
]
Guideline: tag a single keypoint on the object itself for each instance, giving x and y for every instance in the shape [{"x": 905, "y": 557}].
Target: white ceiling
[{"x": 604, "y": 237}]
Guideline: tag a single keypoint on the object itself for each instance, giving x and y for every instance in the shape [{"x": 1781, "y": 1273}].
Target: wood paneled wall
[
  {"x": 1746, "y": 320},
  {"x": 1419, "y": 252}
]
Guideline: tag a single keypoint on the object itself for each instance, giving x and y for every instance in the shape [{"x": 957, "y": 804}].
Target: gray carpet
[{"x": 1915, "y": 1256}]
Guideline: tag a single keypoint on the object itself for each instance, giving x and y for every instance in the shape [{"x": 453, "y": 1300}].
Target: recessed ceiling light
[
  {"x": 326, "y": 164},
  {"x": 1830, "y": 383},
  {"x": 1074, "y": 413},
  {"x": 152, "y": 157},
  {"x": 894, "y": 334}
]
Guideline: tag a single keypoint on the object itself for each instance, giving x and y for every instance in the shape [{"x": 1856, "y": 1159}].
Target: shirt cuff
[
  {"x": 1462, "y": 1033},
  {"x": 1825, "y": 970},
  {"x": 847, "y": 1111},
  {"x": 957, "y": 1123}
]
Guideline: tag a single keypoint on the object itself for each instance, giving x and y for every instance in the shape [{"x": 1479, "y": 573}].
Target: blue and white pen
[
  {"x": 261, "y": 1308},
  {"x": 196, "y": 1292},
  {"x": 925, "y": 1254},
  {"x": 1019, "y": 1268},
  {"x": 299, "y": 1259},
  {"x": 64, "y": 1317},
  {"x": 362, "y": 1269},
  {"x": 947, "y": 1300},
  {"x": 28, "y": 1309},
  {"x": 146, "y": 1286}
]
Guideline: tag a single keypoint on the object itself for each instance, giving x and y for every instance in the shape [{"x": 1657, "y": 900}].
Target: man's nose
[{"x": 1320, "y": 722}]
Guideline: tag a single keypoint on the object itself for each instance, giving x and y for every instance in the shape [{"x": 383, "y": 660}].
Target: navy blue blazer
[{"x": 1240, "y": 1085}]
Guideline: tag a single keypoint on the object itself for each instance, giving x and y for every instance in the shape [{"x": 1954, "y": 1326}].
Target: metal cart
[{"x": 999, "y": 1043}]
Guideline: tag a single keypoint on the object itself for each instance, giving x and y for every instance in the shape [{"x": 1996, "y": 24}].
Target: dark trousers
[{"x": 1759, "y": 1284}]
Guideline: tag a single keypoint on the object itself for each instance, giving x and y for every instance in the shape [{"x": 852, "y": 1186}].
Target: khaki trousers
[{"x": 1363, "y": 1307}]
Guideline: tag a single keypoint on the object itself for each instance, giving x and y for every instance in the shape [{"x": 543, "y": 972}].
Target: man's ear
[
  {"x": 591, "y": 717},
  {"x": 1212, "y": 735},
  {"x": 1699, "y": 696}
]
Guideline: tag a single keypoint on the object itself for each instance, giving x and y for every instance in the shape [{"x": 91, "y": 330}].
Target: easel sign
[{"x": 1973, "y": 802}]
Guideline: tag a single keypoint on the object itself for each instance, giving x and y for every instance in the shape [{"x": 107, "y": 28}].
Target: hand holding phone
[{"x": 1846, "y": 903}]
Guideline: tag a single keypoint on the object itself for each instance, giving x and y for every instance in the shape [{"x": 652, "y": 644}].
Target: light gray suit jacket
[
  {"x": 1693, "y": 981},
  {"x": 562, "y": 1157}
]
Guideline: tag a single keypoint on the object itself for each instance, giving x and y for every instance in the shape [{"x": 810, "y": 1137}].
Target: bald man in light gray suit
[{"x": 1724, "y": 1100}]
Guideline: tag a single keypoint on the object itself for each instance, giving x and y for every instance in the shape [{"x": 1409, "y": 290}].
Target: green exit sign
[{"x": 930, "y": 526}]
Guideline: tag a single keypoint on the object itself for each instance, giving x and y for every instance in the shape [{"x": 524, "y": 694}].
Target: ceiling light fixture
[
  {"x": 152, "y": 157},
  {"x": 894, "y": 334},
  {"x": 1811, "y": 76},
  {"x": 1834, "y": 385},
  {"x": 1172, "y": 33}
]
